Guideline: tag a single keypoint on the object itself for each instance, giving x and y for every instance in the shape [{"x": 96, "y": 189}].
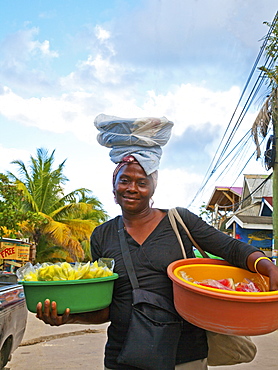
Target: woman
[{"x": 153, "y": 246}]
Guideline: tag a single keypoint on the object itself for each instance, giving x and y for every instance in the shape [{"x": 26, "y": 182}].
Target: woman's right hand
[{"x": 50, "y": 316}]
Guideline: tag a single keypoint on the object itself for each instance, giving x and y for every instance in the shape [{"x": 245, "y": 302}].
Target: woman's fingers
[
  {"x": 65, "y": 316},
  {"x": 46, "y": 310},
  {"x": 39, "y": 310},
  {"x": 49, "y": 314},
  {"x": 53, "y": 312}
]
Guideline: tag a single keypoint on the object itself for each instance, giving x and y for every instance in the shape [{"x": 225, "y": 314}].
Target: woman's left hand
[
  {"x": 273, "y": 278},
  {"x": 258, "y": 262}
]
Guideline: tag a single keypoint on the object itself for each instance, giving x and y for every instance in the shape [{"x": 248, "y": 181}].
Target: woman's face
[{"x": 133, "y": 188}]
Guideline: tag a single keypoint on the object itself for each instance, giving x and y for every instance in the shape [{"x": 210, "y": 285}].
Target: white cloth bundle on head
[{"x": 140, "y": 137}]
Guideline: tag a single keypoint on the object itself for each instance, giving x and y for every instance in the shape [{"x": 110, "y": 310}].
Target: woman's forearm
[{"x": 94, "y": 317}]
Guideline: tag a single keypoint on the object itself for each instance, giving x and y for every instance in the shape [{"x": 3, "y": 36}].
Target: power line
[
  {"x": 268, "y": 63},
  {"x": 249, "y": 195},
  {"x": 257, "y": 86}
]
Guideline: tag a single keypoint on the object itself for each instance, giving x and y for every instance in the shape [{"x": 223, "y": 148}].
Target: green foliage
[
  {"x": 67, "y": 219},
  {"x": 272, "y": 44},
  {"x": 12, "y": 215},
  {"x": 272, "y": 52},
  {"x": 41, "y": 186},
  {"x": 205, "y": 214}
]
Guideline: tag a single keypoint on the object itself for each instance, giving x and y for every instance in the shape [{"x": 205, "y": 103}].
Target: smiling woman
[
  {"x": 131, "y": 177},
  {"x": 143, "y": 244},
  {"x": 133, "y": 190}
]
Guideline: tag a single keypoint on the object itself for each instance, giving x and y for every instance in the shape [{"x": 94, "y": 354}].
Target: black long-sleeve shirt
[{"x": 150, "y": 261}]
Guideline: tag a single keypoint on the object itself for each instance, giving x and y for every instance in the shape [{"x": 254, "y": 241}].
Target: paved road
[
  {"x": 60, "y": 348},
  {"x": 81, "y": 347}
]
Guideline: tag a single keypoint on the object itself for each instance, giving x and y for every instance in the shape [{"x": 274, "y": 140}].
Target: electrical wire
[
  {"x": 247, "y": 105},
  {"x": 256, "y": 88},
  {"x": 249, "y": 195}
]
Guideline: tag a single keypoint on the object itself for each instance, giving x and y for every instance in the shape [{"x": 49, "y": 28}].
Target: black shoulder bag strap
[
  {"x": 154, "y": 328},
  {"x": 143, "y": 295},
  {"x": 126, "y": 255}
]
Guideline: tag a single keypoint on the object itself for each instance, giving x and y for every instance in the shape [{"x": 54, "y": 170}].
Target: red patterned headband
[{"x": 128, "y": 160}]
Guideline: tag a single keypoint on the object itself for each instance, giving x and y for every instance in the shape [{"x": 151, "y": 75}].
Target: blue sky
[{"x": 64, "y": 62}]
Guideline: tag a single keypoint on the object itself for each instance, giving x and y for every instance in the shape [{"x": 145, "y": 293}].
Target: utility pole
[
  {"x": 275, "y": 168},
  {"x": 269, "y": 114}
]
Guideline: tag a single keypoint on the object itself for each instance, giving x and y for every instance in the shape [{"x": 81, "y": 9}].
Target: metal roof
[
  {"x": 251, "y": 222},
  {"x": 15, "y": 241},
  {"x": 251, "y": 183},
  {"x": 224, "y": 196},
  {"x": 250, "y": 210}
]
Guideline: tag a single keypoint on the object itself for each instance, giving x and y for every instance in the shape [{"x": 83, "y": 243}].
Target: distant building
[
  {"x": 223, "y": 201},
  {"x": 13, "y": 253},
  {"x": 248, "y": 217}
]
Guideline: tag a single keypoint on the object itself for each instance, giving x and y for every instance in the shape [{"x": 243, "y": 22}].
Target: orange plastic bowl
[{"x": 222, "y": 311}]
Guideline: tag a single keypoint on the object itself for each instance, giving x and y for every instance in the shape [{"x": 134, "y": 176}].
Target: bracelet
[{"x": 257, "y": 261}]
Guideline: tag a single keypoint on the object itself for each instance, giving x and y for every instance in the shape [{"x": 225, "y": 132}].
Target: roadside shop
[{"x": 13, "y": 254}]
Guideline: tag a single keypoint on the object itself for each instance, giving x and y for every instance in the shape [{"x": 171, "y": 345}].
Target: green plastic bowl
[{"x": 82, "y": 295}]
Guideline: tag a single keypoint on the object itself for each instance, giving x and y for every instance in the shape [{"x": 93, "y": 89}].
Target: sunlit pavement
[
  {"x": 64, "y": 347},
  {"x": 81, "y": 346}
]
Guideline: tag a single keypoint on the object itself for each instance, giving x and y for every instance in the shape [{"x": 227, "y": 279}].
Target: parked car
[{"x": 13, "y": 316}]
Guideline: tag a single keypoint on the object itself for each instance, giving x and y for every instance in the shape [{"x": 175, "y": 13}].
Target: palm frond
[
  {"x": 62, "y": 235},
  {"x": 72, "y": 197},
  {"x": 29, "y": 201},
  {"x": 81, "y": 229},
  {"x": 69, "y": 218},
  {"x": 87, "y": 250},
  {"x": 54, "y": 254},
  {"x": 262, "y": 121},
  {"x": 22, "y": 170},
  {"x": 70, "y": 210}
]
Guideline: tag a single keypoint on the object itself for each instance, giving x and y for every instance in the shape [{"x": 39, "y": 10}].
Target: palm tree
[{"x": 67, "y": 219}]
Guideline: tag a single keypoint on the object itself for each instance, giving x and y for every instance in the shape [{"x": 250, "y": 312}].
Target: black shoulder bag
[{"x": 155, "y": 327}]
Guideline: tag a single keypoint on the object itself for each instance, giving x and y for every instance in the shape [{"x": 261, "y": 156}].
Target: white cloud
[
  {"x": 25, "y": 62},
  {"x": 63, "y": 114},
  {"x": 104, "y": 71},
  {"x": 20, "y": 45},
  {"x": 10, "y": 154},
  {"x": 44, "y": 47},
  {"x": 191, "y": 105},
  {"x": 175, "y": 187},
  {"x": 186, "y": 105},
  {"x": 181, "y": 59},
  {"x": 98, "y": 73},
  {"x": 101, "y": 33},
  {"x": 214, "y": 33}
]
